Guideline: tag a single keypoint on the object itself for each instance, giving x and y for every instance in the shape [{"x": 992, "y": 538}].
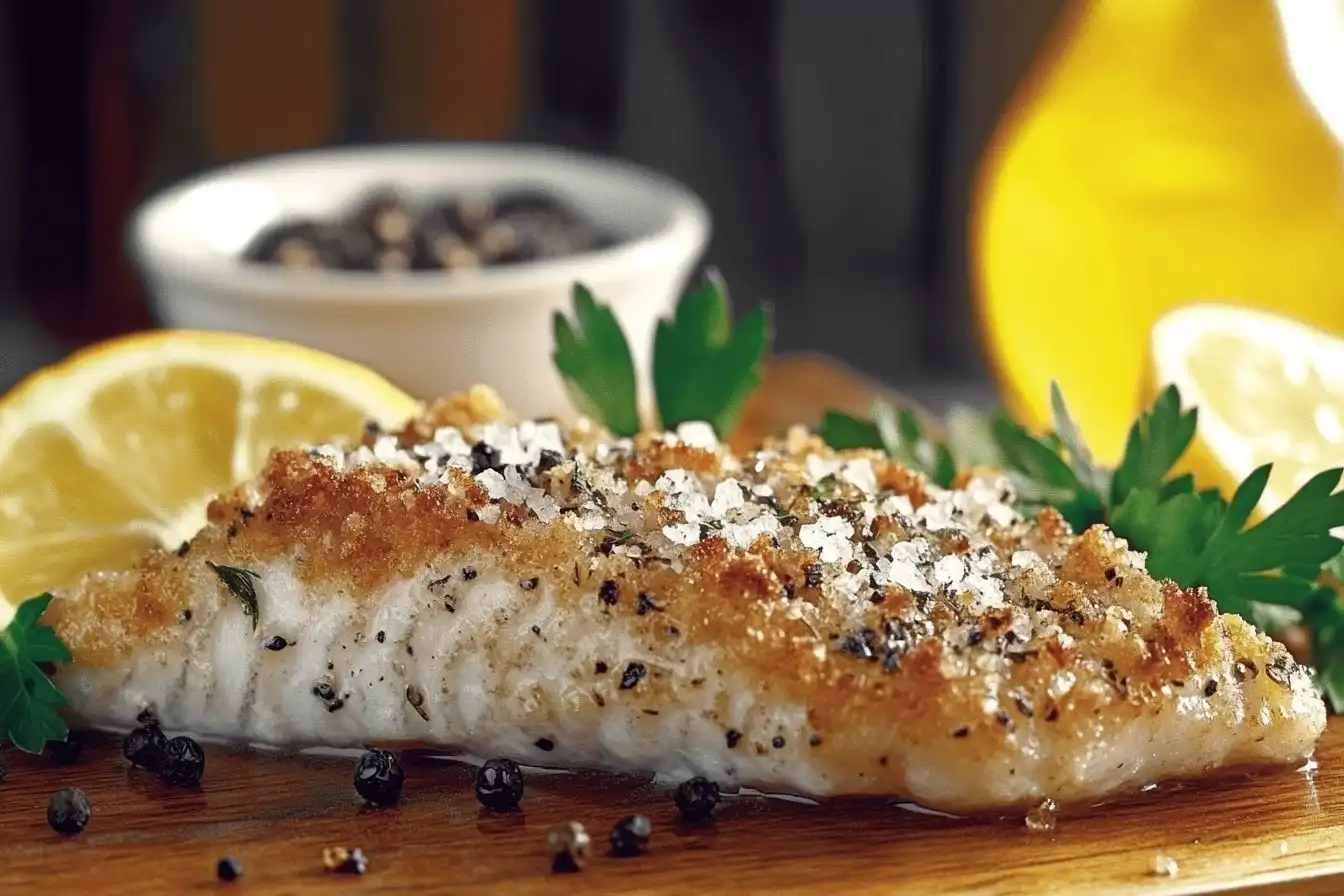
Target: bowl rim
[{"x": 688, "y": 224}]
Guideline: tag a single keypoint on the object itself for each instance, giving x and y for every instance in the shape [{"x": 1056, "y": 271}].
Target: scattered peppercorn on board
[{"x": 275, "y": 815}]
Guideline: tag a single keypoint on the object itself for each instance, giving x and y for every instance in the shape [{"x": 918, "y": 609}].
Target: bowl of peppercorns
[{"x": 438, "y": 265}]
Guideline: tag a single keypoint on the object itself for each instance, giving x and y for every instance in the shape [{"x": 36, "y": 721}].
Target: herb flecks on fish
[{"x": 242, "y": 584}]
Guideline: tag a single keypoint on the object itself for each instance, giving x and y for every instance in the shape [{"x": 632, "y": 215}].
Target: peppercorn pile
[{"x": 387, "y": 232}]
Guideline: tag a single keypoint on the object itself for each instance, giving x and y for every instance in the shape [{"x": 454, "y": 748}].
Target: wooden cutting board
[
  {"x": 1275, "y": 832},
  {"x": 1244, "y": 833}
]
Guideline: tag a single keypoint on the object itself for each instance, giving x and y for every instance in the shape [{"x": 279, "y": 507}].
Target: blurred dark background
[{"x": 834, "y": 141}]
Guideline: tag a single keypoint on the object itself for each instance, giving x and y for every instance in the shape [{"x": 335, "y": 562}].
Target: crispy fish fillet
[{"x": 791, "y": 620}]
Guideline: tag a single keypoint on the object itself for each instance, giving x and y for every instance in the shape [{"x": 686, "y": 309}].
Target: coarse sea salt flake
[
  {"x": 1001, "y": 514},
  {"x": 859, "y": 473},
  {"x": 683, "y": 533},
  {"x": 830, "y": 536},
  {"x": 698, "y": 434},
  {"x": 1023, "y": 559},
  {"x": 949, "y": 570},
  {"x": 450, "y": 437},
  {"x": 818, "y": 468},
  {"x": 727, "y": 496},
  {"x": 904, "y": 574},
  {"x": 493, "y": 483}
]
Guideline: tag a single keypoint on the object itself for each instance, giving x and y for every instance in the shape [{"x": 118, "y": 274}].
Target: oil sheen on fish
[{"x": 791, "y": 619}]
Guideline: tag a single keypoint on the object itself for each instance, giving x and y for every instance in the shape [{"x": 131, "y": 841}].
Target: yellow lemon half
[
  {"x": 1269, "y": 390},
  {"x": 122, "y": 446}
]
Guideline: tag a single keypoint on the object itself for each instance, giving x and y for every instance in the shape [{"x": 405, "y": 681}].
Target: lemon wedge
[
  {"x": 122, "y": 446},
  {"x": 1268, "y": 389}
]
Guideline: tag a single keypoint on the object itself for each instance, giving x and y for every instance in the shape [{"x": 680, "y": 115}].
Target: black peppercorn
[
  {"x": 228, "y": 869},
  {"x": 69, "y": 811},
  {"x": 630, "y": 836},
  {"x": 548, "y": 460},
  {"x": 609, "y": 592},
  {"x": 569, "y": 846},
  {"x": 276, "y": 643},
  {"x": 144, "y": 747},
  {"x": 633, "y": 675},
  {"x": 66, "y": 752},
  {"x": 183, "y": 762},
  {"x": 696, "y": 798},
  {"x": 499, "y": 785},
  {"x": 483, "y": 457},
  {"x": 379, "y": 777}
]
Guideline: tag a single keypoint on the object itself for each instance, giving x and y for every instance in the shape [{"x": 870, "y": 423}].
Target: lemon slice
[
  {"x": 122, "y": 446},
  {"x": 1269, "y": 390}
]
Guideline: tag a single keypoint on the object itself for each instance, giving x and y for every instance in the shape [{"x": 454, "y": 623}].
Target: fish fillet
[{"x": 790, "y": 619}]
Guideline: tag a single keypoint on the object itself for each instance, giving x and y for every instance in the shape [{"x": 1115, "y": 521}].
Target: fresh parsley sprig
[
  {"x": 895, "y": 431},
  {"x": 594, "y": 360},
  {"x": 704, "y": 366},
  {"x": 28, "y": 700}
]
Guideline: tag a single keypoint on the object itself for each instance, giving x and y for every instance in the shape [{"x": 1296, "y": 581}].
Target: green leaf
[
  {"x": 1197, "y": 538},
  {"x": 594, "y": 361},
  {"x": 1278, "y": 560},
  {"x": 905, "y": 441},
  {"x": 1324, "y": 616},
  {"x": 1042, "y": 476},
  {"x": 898, "y": 433},
  {"x": 704, "y": 368},
  {"x": 1174, "y": 531},
  {"x": 844, "y": 433},
  {"x": 1157, "y": 440},
  {"x": 970, "y": 439},
  {"x": 1090, "y": 476},
  {"x": 28, "y": 700},
  {"x": 242, "y": 584}
]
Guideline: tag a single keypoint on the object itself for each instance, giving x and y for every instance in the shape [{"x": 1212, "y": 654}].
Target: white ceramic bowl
[{"x": 430, "y": 332}]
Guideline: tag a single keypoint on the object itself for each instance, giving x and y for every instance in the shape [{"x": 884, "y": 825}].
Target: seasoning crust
[{"x": 790, "y": 618}]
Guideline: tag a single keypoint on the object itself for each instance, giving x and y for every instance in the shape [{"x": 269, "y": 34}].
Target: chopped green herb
[
  {"x": 594, "y": 360},
  {"x": 704, "y": 367},
  {"x": 242, "y": 584},
  {"x": 28, "y": 700}
]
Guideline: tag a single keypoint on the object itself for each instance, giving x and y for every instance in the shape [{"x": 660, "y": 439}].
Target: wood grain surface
[
  {"x": 276, "y": 813},
  {"x": 1279, "y": 832}
]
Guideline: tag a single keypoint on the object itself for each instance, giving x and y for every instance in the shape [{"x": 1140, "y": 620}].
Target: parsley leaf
[
  {"x": 1198, "y": 538},
  {"x": 1042, "y": 476},
  {"x": 904, "y": 439},
  {"x": 1090, "y": 476},
  {"x": 704, "y": 368},
  {"x": 898, "y": 433},
  {"x": 1324, "y": 616},
  {"x": 28, "y": 699},
  {"x": 844, "y": 433},
  {"x": 594, "y": 360},
  {"x": 970, "y": 438},
  {"x": 1156, "y": 441}
]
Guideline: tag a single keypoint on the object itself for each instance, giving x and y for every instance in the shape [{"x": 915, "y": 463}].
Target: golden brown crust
[{"x": 1082, "y": 635}]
